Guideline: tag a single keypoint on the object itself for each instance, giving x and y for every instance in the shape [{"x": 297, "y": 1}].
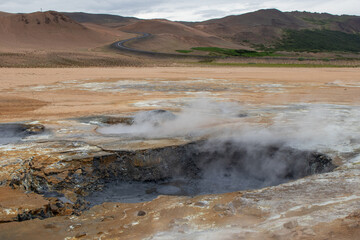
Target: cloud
[
  {"x": 179, "y": 10},
  {"x": 211, "y": 13}
]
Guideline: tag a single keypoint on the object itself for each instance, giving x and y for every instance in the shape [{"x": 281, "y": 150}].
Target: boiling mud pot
[
  {"x": 14, "y": 132},
  {"x": 211, "y": 167}
]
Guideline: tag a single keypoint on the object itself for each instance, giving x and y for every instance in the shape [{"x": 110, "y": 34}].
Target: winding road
[{"x": 120, "y": 45}]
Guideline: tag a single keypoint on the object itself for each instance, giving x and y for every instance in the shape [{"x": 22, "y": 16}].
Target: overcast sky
[{"x": 187, "y": 10}]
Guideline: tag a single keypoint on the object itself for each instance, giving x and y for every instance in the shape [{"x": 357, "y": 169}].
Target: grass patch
[
  {"x": 232, "y": 52},
  {"x": 207, "y": 60},
  {"x": 319, "y": 41},
  {"x": 184, "y": 51},
  {"x": 323, "y": 20},
  {"x": 320, "y": 22},
  {"x": 283, "y": 65}
]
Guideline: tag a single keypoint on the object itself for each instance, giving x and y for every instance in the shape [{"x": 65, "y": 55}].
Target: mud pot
[
  {"x": 196, "y": 165},
  {"x": 14, "y": 132},
  {"x": 209, "y": 167}
]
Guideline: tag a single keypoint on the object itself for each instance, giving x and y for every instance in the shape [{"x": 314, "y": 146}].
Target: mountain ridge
[
  {"x": 265, "y": 26},
  {"x": 262, "y": 29}
]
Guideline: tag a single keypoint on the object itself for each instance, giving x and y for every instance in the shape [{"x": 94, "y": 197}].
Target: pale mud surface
[{"x": 77, "y": 124}]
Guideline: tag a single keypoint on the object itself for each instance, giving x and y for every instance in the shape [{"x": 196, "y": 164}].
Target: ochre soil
[{"x": 21, "y": 98}]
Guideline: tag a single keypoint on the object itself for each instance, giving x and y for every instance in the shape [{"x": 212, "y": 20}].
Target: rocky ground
[{"x": 234, "y": 153}]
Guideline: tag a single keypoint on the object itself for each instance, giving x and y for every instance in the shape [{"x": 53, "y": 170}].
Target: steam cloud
[
  {"x": 322, "y": 127},
  {"x": 194, "y": 120}
]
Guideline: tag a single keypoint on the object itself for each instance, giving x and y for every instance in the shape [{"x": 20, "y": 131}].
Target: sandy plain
[{"x": 33, "y": 94}]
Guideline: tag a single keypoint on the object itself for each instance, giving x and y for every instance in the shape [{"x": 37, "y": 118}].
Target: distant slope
[
  {"x": 319, "y": 41},
  {"x": 4, "y": 14},
  {"x": 47, "y": 30},
  {"x": 271, "y": 25},
  {"x": 343, "y": 23},
  {"x": 101, "y": 19},
  {"x": 261, "y": 26},
  {"x": 170, "y": 36},
  {"x": 158, "y": 26}
]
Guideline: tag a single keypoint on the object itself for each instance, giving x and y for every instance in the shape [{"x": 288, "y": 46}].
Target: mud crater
[
  {"x": 14, "y": 132},
  {"x": 212, "y": 166},
  {"x": 204, "y": 167}
]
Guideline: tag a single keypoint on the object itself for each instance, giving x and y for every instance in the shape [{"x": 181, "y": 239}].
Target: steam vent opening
[
  {"x": 205, "y": 167},
  {"x": 14, "y": 132}
]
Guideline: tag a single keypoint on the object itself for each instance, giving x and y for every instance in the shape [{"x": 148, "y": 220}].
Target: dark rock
[
  {"x": 200, "y": 204},
  {"x": 242, "y": 115},
  {"x": 49, "y": 226},
  {"x": 119, "y": 120},
  {"x": 80, "y": 235},
  {"x": 107, "y": 218},
  {"x": 141, "y": 213},
  {"x": 291, "y": 224},
  {"x": 41, "y": 213}
]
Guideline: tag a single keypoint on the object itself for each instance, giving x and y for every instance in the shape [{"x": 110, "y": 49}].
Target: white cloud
[{"x": 180, "y": 10}]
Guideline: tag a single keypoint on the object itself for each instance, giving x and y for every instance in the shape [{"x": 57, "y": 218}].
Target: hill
[
  {"x": 4, "y": 14},
  {"x": 47, "y": 30},
  {"x": 261, "y": 26},
  {"x": 101, "y": 19},
  {"x": 169, "y": 36},
  {"x": 343, "y": 23},
  {"x": 270, "y": 30},
  {"x": 263, "y": 29},
  {"x": 270, "y": 27}
]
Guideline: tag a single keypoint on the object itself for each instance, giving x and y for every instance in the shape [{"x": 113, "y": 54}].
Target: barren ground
[
  {"x": 321, "y": 206},
  {"x": 28, "y": 94}
]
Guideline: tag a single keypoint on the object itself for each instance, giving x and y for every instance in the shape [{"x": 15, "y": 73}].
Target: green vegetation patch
[
  {"x": 319, "y": 41},
  {"x": 317, "y": 21},
  {"x": 232, "y": 52},
  {"x": 184, "y": 51},
  {"x": 326, "y": 20},
  {"x": 285, "y": 65}
]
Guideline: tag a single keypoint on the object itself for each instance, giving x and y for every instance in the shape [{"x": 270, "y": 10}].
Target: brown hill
[
  {"x": 47, "y": 30},
  {"x": 170, "y": 36},
  {"x": 343, "y": 23},
  {"x": 57, "y": 31},
  {"x": 4, "y": 14},
  {"x": 101, "y": 19},
  {"x": 267, "y": 26},
  {"x": 257, "y": 27}
]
